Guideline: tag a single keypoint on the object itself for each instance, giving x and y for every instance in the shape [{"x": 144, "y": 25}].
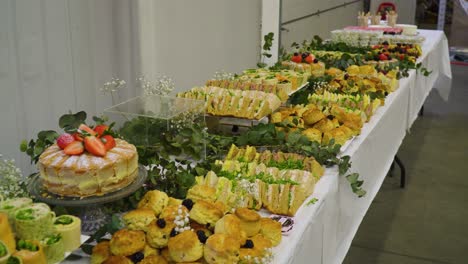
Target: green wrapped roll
[
  {"x": 53, "y": 248},
  {"x": 12, "y": 205},
  {"x": 14, "y": 260},
  {"x": 30, "y": 252},
  {"x": 4, "y": 253},
  {"x": 69, "y": 227},
  {"x": 34, "y": 222}
]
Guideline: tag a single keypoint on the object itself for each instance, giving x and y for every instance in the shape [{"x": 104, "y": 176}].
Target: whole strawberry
[{"x": 64, "y": 140}]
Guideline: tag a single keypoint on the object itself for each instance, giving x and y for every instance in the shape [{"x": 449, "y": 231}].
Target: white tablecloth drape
[{"x": 324, "y": 231}]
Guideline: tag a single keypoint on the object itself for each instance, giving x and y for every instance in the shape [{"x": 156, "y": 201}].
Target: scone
[
  {"x": 230, "y": 225},
  {"x": 205, "y": 213},
  {"x": 260, "y": 242},
  {"x": 312, "y": 116},
  {"x": 174, "y": 201},
  {"x": 250, "y": 255},
  {"x": 201, "y": 192},
  {"x": 127, "y": 242},
  {"x": 185, "y": 247},
  {"x": 271, "y": 230},
  {"x": 150, "y": 251},
  {"x": 118, "y": 260},
  {"x": 101, "y": 252},
  {"x": 154, "y": 259},
  {"x": 196, "y": 226},
  {"x": 165, "y": 255},
  {"x": 171, "y": 211},
  {"x": 159, "y": 232},
  {"x": 221, "y": 248},
  {"x": 154, "y": 200},
  {"x": 313, "y": 134},
  {"x": 139, "y": 219},
  {"x": 249, "y": 220}
]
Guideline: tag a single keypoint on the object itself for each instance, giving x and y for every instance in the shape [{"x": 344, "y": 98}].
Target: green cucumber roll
[
  {"x": 53, "y": 248},
  {"x": 4, "y": 253},
  {"x": 69, "y": 227},
  {"x": 12, "y": 205},
  {"x": 30, "y": 252},
  {"x": 34, "y": 222},
  {"x": 14, "y": 260}
]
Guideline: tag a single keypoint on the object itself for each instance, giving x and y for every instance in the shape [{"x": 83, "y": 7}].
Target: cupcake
[
  {"x": 221, "y": 248},
  {"x": 127, "y": 242},
  {"x": 249, "y": 220},
  {"x": 185, "y": 247},
  {"x": 154, "y": 200}
]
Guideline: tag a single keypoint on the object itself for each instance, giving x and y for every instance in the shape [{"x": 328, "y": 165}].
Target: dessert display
[
  {"x": 409, "y": 30},
  {"x": 386, "y": 51},
  {"x": 40, "y": 236},
  {"x": 238, "y": 103},
  {"x": 201, "y": 231},
  {"x": 281, "y": 82},
  {"x": 305, "y": 62},
  {"x": 89, "y": 162}
]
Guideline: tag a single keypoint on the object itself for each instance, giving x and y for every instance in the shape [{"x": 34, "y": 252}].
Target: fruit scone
[{"x": 199, "y": 231}]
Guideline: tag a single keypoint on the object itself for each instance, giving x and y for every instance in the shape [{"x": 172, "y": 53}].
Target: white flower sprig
[
  {"x": 163, "y": 86},
  {"x": 182, "y": 221},
  {"x": 113, "y": 85},
  {"x": 11, "y": 179},
  {"x": 223, "y": 75}
]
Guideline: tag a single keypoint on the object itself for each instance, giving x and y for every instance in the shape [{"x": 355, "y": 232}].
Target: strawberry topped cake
[{"x": 88, "y": 162}]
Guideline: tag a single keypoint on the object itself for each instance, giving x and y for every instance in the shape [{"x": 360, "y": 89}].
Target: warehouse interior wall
[{"x": 316, "y": 25}]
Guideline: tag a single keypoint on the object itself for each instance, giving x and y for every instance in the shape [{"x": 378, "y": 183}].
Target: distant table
[{"x": 324, "y": 231}]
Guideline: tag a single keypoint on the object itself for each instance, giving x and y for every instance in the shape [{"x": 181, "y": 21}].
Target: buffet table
[{"x": 324, "y": 231}]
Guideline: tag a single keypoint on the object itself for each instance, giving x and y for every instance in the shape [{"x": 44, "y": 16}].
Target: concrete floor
[{"x": 427, "y": 222}]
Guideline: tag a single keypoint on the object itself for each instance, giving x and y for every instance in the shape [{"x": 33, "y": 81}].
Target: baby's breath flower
[
  {"x": 163, "y": 86},
  {"x": 223, "y": 75},
  {"x": 113, "y": 85},
  {"x": 11, "y": 180}
]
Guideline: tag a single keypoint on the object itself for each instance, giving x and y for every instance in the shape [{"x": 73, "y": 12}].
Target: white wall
[
  {"x": 54, "y": 55},
  {"x": 317, "y": 25},
  {"x": 191, "y": 40}
]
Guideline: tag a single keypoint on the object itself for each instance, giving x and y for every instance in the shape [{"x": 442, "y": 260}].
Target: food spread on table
[{"x": 235, "y": 207}]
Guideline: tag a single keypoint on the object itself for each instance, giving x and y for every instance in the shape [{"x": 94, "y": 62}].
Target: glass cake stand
[{"x": 92, "y": 215}]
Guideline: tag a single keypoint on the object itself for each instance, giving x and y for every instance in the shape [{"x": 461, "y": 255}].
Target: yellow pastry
[
  {"x": 185, "y": 247},
  {"x": 230, "y": 225},
  {"x": 127, "y": 242},
  {"x": 157, "y": 236},
  {"x": 205, "y": 213},
  {"x": 154, "y": 200},
  {"x": 154, "y": 259},
  {"x": 101, "y": 252},
  {"x": 221, "y": 248},
  {"x": 249, "y": 220},
  {"x": 118, "y": 260},
  {"x": 139, "y": 219},
  {"x": 271, "y": 230},
  {"x": 201, "y": 192}
]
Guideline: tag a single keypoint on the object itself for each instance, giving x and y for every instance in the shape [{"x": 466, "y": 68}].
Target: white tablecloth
[{"x": 324, "y": 231}]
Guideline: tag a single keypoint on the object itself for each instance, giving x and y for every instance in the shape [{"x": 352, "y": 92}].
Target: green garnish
[
  {"x": 25, "y": 214},
  {"x": 312, "y": 201},
  {"x": 63, "y": 220},
  {"x": 13, "y": 260},
  {"x": 23, "y": 244},
  {"x": 3, "y": 250},
  {"x": 8, "y": 207},
  {"x": 52, "y": 239},
  {"x": 289, "y": 164}
]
